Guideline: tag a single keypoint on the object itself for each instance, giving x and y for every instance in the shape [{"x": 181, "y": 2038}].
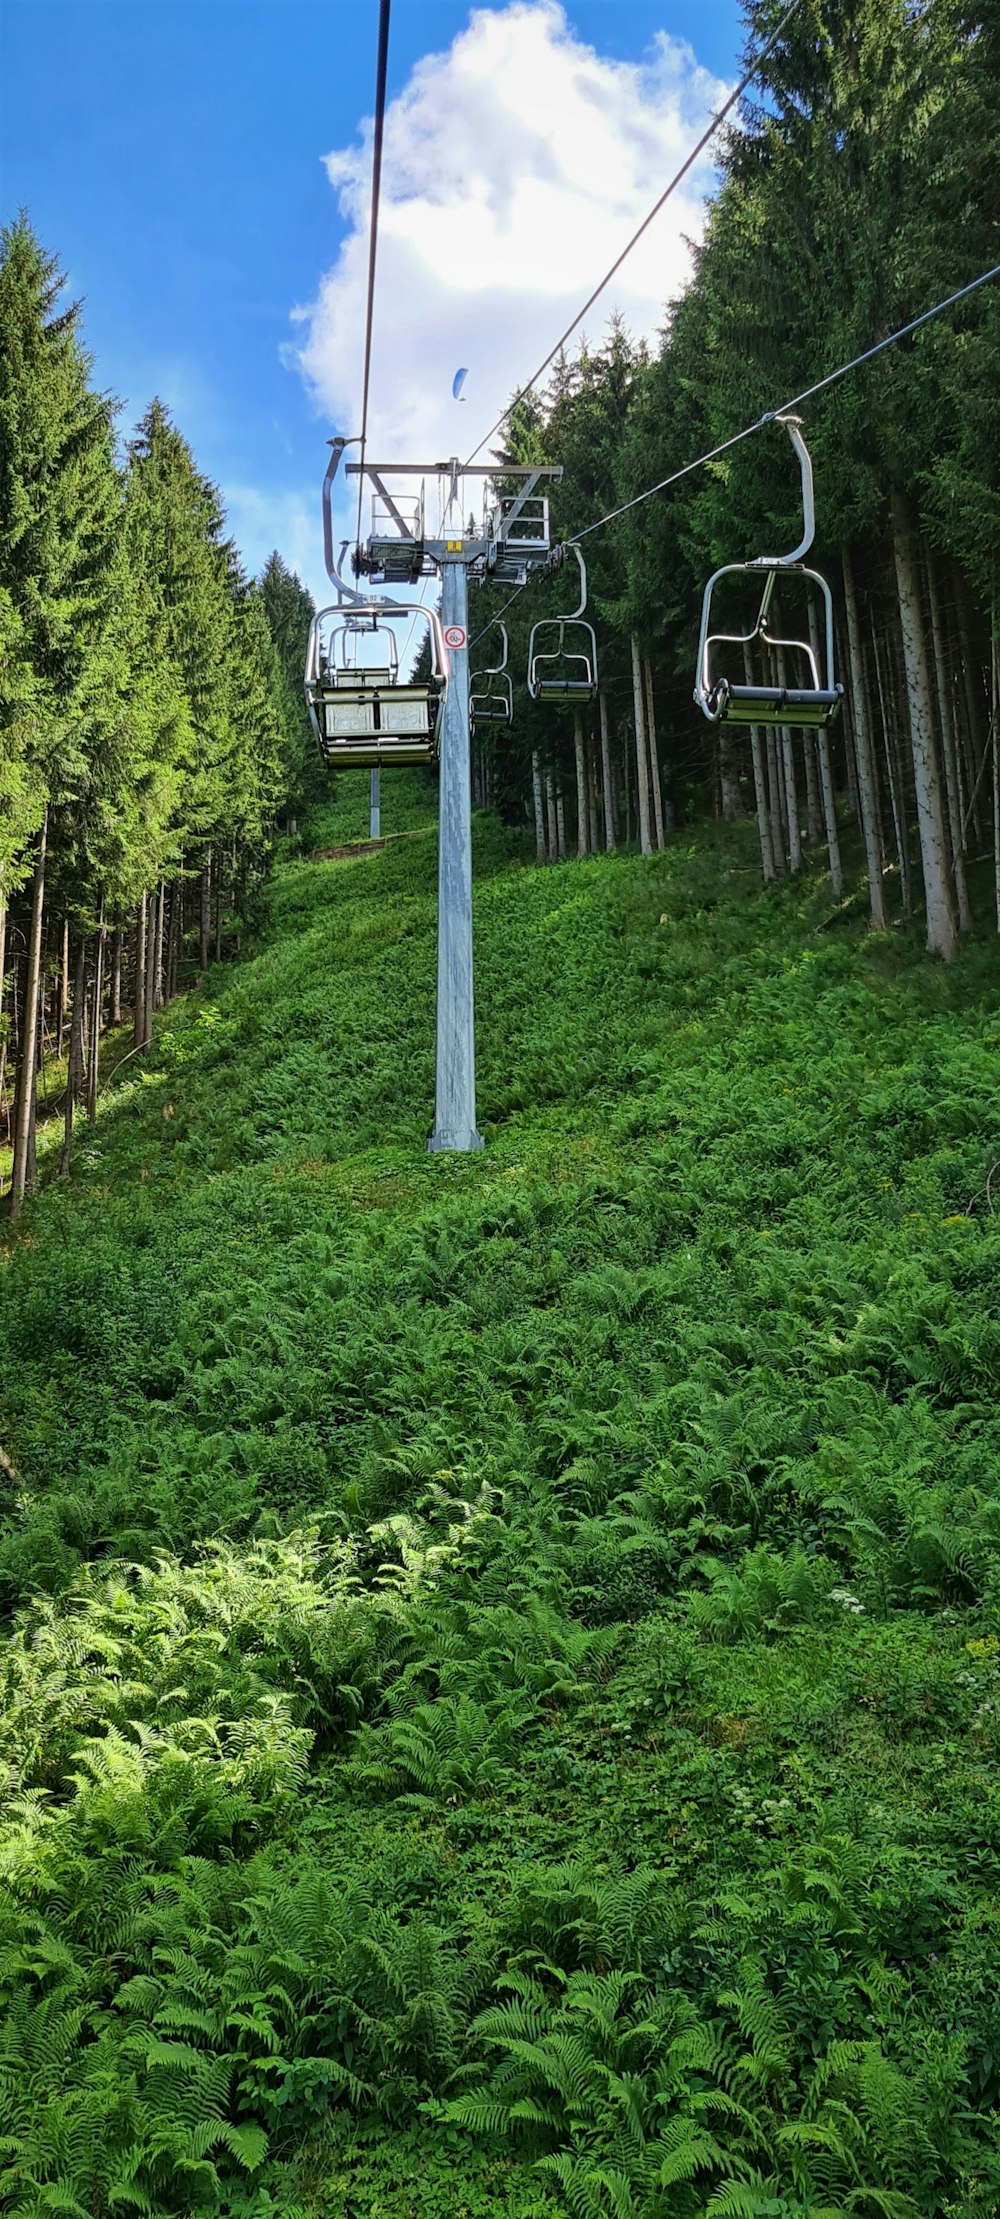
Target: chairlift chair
[
  {"x": 491, "y": 692},
  {"x": 566, "y": 670},
  {"x": 364, "y": 715},
  {"x": 720, "y": 699}
]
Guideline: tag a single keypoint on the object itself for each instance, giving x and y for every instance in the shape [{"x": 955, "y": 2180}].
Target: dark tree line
[{"x": 150, "y": 730}]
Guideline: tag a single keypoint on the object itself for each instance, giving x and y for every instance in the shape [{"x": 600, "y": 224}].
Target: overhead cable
[
  {"x": 833, "y": 376},
  {"x": 786, "y": 408},
  {"x": 381, "y": 71},
  {"x": 709, "y": 133}
]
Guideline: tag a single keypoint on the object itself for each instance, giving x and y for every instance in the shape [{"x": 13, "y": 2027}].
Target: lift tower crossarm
[
  {"x": 506, "y": 523},
  {"x": 397, "y": 518},
  {"x": 452, "y": 470}
]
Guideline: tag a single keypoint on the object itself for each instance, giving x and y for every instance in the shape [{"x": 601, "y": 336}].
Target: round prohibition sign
[{"x": 454, "y": 635}]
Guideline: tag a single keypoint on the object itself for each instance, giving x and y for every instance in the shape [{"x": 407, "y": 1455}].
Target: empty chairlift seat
[
  {"x": 364, "y": 714},
  {"x": 562, "y": 652},
  {"x": 725, "y": 699}
]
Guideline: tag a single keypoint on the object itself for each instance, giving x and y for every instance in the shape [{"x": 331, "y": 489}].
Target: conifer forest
[{"x": 500, "y": 1657}]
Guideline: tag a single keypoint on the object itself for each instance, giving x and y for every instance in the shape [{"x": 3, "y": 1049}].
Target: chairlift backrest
[
  {"x": 562, "y": 651},
  {"x": 724, "y": 701},
  {"x": 364, "y": 713}
]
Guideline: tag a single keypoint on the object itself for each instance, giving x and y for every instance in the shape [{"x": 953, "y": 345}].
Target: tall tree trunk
[
  {"x": 777, "y": 802},
  {"x": 176, "y": 931},
  {"x": 867, "y": 785},
  {"x": 641, "y": 752},
  {"x": 561, "y": 823},
  {"x": 219, "y": 877},
  {"x": 814, "y": 811},
  {"x": 31, "y": 1169},
  {"x": 95, "y": 1023},
  {"x": 75, "y": 1072},
  {"x": 62, "y": 990},
  {"x": 539, "y": 806},
  {"x": 581, "y": 783},
  {"x": 662, "y": 817},
  {"x": 204, "y": 910},
  {"x": 787, "y": 767},
  {"x": 627, "y": 759},
  {"x": 942, "y": 935},
  {"x": 949, "y": 750},
  {"x": 897, "y": 796},
  {"x": 159, "y": 983},
  {"x": 850, "y": 758},
  {"x": 763, "y": 811},
  {"x": 830, "y": 813},
  {"x": 593, "y": 786},
  {"x": 3, "y": 983},
  {"x": 149, "y": 995},
  {"x": 791, "y": 799},
  {"x": 607, "y": 783},
  {"x": 816, "y": 819},
  {"x": 975, "y": 703},
  {"x": 139, "y": 976},
  {"x": 995, "y": 753},
  {"x": 770, "y": 785},
  {"x": 820, "y": 799},
  {"x": 24, "y": 1107},
  {"x": 8, "y": 1055},
  {"x": 731, "y": 792},
  {"x": 550, "y": 814},
  {"x": 115, "y": 1009}
]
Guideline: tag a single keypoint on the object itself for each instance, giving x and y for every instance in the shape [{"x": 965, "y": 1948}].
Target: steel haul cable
[
  {"x": 786, "y": 408},
  {"x": 709, "y": 133},
  {"x": 819, "y": 385},
  {"x": 381, "y": 70}
]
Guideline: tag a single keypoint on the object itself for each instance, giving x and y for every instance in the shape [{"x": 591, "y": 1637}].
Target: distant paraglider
[{"x": 457, "y": 383}]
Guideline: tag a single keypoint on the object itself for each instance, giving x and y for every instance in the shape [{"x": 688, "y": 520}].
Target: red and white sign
[{"x": 454, "y": 636}]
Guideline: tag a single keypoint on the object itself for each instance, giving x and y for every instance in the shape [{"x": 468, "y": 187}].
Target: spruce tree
[{"x": 60, "y": 499}]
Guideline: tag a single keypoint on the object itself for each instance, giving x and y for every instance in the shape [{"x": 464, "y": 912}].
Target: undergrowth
[{"x": 502, "y": 1681}]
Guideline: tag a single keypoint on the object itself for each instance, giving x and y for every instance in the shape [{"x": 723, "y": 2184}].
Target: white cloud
[{"x": 515, "y": 166}]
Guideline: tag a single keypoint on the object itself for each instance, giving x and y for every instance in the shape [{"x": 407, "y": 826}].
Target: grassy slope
[{"x": 694, "y": 1703}]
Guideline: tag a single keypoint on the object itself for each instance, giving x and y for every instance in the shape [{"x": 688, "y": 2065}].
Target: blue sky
[{"x": 171, "y": 152}]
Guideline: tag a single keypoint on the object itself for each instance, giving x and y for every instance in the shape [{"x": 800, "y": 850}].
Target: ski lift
[
  {"x": 365, "y": 716},
  {"x": 491, "y": 693},
  {"x": 566, "y": 670},
  {"x": 718, "y": 697}
]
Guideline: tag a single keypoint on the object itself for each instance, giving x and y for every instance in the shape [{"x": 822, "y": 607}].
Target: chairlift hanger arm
[
  {"x": 793, "y": 426},
  {"x": 495, "y": 670},
  {"x": 556, "y": 560},
  {"x": 345, "y": 592}
]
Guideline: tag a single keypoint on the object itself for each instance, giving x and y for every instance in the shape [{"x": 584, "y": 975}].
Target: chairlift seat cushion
[
  {"x": 797, "y": 705},
  {"x": 361, "y": 680}
]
